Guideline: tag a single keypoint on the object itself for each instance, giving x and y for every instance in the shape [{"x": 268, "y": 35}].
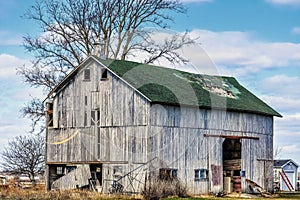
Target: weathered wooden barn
[{"x": 108, "y": 118}]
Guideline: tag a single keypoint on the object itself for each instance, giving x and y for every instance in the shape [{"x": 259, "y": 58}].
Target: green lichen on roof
[{"x": 175, "y": 87}]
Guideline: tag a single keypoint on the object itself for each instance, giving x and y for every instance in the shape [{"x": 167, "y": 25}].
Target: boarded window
[
  {"x": 201, "y": 174},
  {"x": 103, "y": 74},
  {"x": 87, "y": 74}
]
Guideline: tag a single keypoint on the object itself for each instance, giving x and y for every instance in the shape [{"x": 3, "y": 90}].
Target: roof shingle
[{"x": 175, "y": 87}]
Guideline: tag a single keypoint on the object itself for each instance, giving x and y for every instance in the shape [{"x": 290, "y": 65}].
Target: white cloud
[
  {"x": 14, "y": 95},
  {"x": 8, "y": 38},
  {"x": 296, "y": 30},
  {"x": 281, "y": 92},
  {"x": 8, "y": 65},
  {"x": 242, "y": 50},
  {"x": 235, "y": 53},
  {"x": 284, "y": 2},
  {"x": 283, "y": 104},
  {"x": 284, "y": 85},
  {"x": 291, "y": 123},
  {"x": 291, "y": 148},
  {"x": 287, "y": 137}
]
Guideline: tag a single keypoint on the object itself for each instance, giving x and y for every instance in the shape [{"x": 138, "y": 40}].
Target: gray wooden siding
[
  {"x": 187, "y": 139},
  {"x": 75, "y": 179},
  {"x": 189, "y": 117},
  {"x": 131, "y": 183},
  {"x": 79, "y": 134}
]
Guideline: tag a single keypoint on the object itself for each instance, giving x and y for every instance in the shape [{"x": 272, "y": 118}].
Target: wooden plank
[
  {"x": 232, "y": 137},
  {"x": 74, "y": 179}
]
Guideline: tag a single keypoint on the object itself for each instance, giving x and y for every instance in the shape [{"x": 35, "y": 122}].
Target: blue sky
[{"x": 255, "y": 41}]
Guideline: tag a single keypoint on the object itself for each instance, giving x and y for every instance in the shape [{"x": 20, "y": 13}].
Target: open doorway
[
  {"x": 232, "y": 151},
  {"x": 96, "y": 174}
]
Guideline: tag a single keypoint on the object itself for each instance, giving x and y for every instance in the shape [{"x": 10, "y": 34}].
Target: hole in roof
[{"x": 213, "y": 84}]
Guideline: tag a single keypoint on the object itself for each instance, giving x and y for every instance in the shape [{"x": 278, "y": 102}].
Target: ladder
[{"x": 286, "y": 180}]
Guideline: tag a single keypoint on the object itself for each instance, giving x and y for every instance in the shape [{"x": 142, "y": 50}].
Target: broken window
[
  {"x": 87, "y": 74},
  {"x": 49, "y": 106},
  {"x": 93, "y": 118},
  {"x": 70, "y": 168},
  {"x": 117, "y": 172},
  {"x": 201, "y": 174},
  {"x": 103, "y": 74},
  {"x": 167, "y": 173}
]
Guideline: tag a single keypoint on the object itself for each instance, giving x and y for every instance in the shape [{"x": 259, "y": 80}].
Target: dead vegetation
[
  {"x": 157, "y": 188},
  {"x": 39, "y": 193}
]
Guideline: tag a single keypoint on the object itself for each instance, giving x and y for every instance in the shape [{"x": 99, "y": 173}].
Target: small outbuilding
[{"x": 285, "y": 175}]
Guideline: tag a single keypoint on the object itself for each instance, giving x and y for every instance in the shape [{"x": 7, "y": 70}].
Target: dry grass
[
  {"x": 39, "y": 193},
  {"x": 281, "y": 196}
]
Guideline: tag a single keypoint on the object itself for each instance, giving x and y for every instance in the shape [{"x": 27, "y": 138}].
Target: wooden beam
[
  {"x": 91, "y": 162},
  {"x": 232, "y": 136},
  {"x": 265, "y": 160}
]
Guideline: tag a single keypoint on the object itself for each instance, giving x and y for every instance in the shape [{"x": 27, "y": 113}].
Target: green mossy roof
[{"x": 174, "y": 87}]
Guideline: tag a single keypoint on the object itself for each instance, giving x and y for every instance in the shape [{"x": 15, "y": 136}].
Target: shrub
[{"x": 157, "y": 188}]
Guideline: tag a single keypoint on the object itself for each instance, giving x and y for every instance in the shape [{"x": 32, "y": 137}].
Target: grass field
[
  {"x": 281, "y": 196},
  {"x": 40, "y": 194}
]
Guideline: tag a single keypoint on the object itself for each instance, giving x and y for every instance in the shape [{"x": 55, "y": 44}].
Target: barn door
[
  {"x": 232, "y": 151},
  {"x": 290, "y": 175},
  {"x": 96, "y": 174}
]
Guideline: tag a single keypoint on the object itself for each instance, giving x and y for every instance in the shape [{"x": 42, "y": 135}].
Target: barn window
[
  {"x": 49, "y": 106},
  {"x": 103, "y": 74},
  {"x": 201, "y": 174},
  {"x": 243, "y": 173},
  {"x": 70, "y": 168},
  {"x": 95, "y": 117},
  {"x": 85, "y": 119},
  {"x": 87, "y": 74},
  {"x": 167, "y": 173},
  {"x": 59, "y": 170},
  {"x": 117, "y": 172},
  {"x": 85, "y": 100}
]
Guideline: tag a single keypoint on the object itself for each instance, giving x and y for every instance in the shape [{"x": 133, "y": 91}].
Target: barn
[{"x": 112, "y": 122}]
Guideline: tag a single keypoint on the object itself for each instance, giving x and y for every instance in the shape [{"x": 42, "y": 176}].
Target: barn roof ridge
[{"x": 175, "y": 87}]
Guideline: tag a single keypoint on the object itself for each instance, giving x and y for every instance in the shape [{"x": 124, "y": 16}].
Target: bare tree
[
  {"x": 34, "y": 110},
  {"x": 277, "y": 152},
  {"x": 25, "y": 155},
  {"x": 71, "y": 28}
]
